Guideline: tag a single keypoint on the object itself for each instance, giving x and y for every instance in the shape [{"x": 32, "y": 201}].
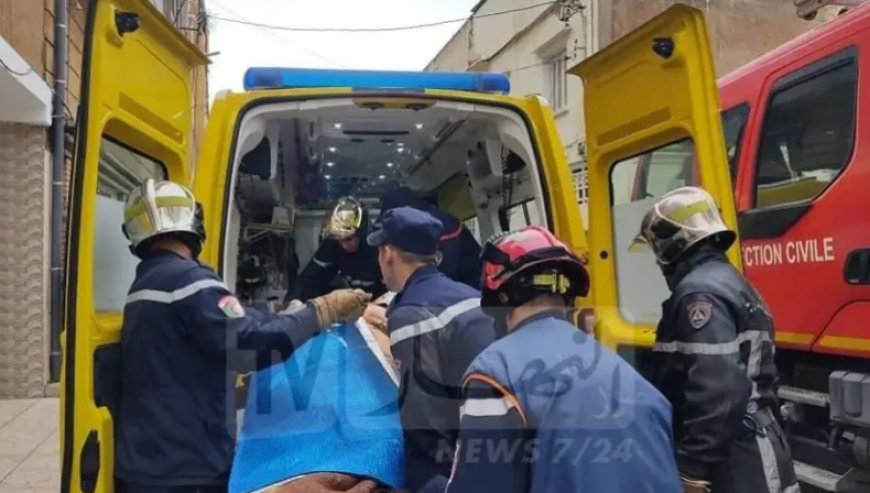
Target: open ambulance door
[
  {"x": 134, "y": 123},
  {"x": 649, "y": 98}
]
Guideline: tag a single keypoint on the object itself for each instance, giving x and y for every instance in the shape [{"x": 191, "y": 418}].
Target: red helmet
[{"x": 519, "y": 265}]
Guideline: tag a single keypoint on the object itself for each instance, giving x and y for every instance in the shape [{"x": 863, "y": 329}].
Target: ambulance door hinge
[
  {"x": 126, "y": 22},
  {"x": 89, "y": 463}
]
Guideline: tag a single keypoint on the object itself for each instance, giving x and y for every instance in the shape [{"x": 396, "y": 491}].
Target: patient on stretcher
[{"x": 326, "y": 420}]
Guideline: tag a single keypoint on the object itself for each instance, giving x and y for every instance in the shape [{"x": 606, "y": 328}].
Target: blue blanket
[{"x": 332, "y": 407}]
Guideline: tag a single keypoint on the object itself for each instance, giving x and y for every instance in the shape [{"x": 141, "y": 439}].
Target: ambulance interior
[{"x": 294, "y": 160}]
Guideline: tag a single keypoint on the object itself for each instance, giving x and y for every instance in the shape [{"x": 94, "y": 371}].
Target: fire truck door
[
  {"x": 134, "y": 123},
  {"x": 649, "y": 98}
]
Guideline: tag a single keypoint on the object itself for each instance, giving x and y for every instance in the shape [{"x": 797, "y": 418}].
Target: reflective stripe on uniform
[
  {"x": 494, "y": 406},
  {"x": 756, "y": 337},
  {"x": 432, "y": 324},
  {"x": 795, "y": 488},
  {"x": 509, "y": 397},
  {"x": 177, "y": 295},
  {"x": 769, "y": 463},
  {"x": 321, "y": 263}
]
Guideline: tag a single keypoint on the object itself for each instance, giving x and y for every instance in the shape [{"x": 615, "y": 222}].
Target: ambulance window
[
  {"x": 654, "y": 173},
  {"x": 733, "y": 123},
  {"x": 121, "y": 170},
  {"x": 635, "y": 184},
  {"x": 525, "y": 214},
  {"x": 808, "y": 136},
  {"x": 473, "y": 225}
]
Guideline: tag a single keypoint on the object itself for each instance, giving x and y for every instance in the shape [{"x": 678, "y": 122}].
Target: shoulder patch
[
  {"x": 699, "y": 313},
  {"x": 231, "y": 307}
]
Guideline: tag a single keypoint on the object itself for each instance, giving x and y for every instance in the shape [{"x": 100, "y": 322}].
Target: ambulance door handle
[{"x": 89, "y": 463}]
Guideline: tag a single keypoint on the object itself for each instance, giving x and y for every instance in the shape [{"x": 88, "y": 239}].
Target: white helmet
[
  {"x": 160, "y": 207},
  {"x": 680, "y": 219}
]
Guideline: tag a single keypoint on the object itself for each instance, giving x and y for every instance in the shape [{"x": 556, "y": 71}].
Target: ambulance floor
[{"x": 29, "y": 455}]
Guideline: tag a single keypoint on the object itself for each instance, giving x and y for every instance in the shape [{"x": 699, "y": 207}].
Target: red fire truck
[{"x": 797, "y": 132}]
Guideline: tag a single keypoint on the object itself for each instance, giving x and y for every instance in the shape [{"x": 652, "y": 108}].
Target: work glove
[
  {"x": 694, "y": 485},
  {"x": 340, "y": 305}
]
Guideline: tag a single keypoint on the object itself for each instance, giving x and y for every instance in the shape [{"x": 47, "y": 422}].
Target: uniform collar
[
  {"x": 419, "y": 275},
  {"x": 160, "y": 254},
  {"x": 557, "y": 314},
  {"x": 702, "y": 256}
]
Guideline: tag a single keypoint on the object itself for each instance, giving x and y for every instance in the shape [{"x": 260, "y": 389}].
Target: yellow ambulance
[{"x": 278, "y": 154}]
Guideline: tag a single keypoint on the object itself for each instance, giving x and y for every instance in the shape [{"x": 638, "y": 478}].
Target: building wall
[
  {"x": 24, "y": 179},
  {"x": 739, "y": 30},
  {"x": 17, "y": 22}
]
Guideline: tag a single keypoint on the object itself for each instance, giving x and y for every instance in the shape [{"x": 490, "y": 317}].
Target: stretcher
[{"x": 331, "y": 407}]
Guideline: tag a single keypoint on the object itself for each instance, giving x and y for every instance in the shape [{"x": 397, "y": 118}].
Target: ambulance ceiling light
[{"x": 295, "y": 78}]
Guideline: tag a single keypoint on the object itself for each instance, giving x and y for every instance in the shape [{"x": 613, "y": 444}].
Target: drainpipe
[{"x": 58, "y": 151}]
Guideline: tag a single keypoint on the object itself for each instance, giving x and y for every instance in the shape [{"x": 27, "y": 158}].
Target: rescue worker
[
  {"x": 546, "y": 408},
  {"x": 436, "y": 329},
  {"x": 459, "y": 250},
  {"x": 343, "y": 254},
  {"x": 714, "y": 353},
  {"x": 183, "y": 332}
]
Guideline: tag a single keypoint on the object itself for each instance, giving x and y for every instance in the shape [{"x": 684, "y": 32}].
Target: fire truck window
[
  {"x": 121, "y": 170},
  {"x": 733, "y": 123},
  {"x": 636, "y": 183},
  {"x": 808, "y": 136}
]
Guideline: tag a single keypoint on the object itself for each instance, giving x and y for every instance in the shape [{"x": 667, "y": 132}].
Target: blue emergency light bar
[{"x": 296, "y": 78}]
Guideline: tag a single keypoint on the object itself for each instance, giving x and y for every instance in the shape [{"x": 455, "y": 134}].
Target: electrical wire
[
  {"x": 276, "y": 36},
  {"x": 177, "y": 13},
  {"x": 374, "y": 29},
  {"x": 13, "y": 71}
]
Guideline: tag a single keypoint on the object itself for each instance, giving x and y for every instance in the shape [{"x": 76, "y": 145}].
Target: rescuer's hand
[
  {"x": 340, "y": 305},
  {"x": 292, "y": 307},
  {"x": 325, "y": 483},
  {"x": 376, "y": 317},
  {"x": 694, "y": 485}
]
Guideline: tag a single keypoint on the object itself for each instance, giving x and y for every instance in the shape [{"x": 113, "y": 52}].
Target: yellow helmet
[
  {"x": 679, "y": 220},
  {"x": 159, "y": 207},
  {"x": 347, "y": 219}
]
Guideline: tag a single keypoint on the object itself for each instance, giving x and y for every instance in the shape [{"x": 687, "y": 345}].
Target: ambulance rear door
[
  {"x": 650, "y": 97},
  {"x": 134, "y": 123}
]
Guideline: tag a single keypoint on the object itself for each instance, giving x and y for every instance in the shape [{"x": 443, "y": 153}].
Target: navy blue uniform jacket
[
  {"x": 436, "y": 330},
  {"x": 182, "y": 335}
]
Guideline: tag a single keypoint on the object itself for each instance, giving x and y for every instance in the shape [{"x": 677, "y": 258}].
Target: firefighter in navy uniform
[
  {"x": 459, "y": 252},
  {"x": 182, "y": 336},
  {"x": 342, "y": 255},
  {"x": 546, "y": 408},
  {"x": 436, "y": 329},
  {"x": 714, "y": 354}
]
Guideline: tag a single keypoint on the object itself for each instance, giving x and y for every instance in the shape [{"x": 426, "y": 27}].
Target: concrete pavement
[{"x": 29, "y": 448}]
